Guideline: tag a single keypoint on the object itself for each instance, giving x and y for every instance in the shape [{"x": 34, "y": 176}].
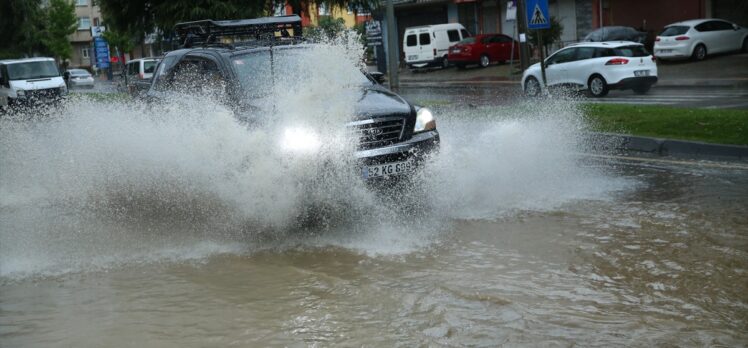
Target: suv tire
[
  {"x": 699, "y": 52},
  {"x": 597, "y": 86},
  {"x": 532, "y": 87},
  {"x": 484, "y": 61},
  {"x": 445, "y": 62}
]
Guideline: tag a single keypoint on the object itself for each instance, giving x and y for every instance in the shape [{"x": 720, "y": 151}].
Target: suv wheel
[
  {"x": 699, "y": 53},
  {"x": 445, "y": 62},
  {"x": 484, "y": 61},
  {"x": 532, "y": 87},
  {"x": 597, "y": 86}
]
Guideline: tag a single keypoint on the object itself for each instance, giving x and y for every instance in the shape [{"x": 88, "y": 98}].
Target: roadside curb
[{"x": 668, "y": 147}]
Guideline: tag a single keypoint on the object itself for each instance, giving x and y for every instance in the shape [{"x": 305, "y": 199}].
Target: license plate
[
  {"x": 413, "y": 57},
  {"x": 387, "y": 169},
  {"x": 641, "y": 73},
  {"x": 456, "y": 50}
]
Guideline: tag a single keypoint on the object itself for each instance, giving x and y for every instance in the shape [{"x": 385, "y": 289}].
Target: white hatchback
[
  {"x": 597, "y": 67},
  {"x": 698, "y": 37}
]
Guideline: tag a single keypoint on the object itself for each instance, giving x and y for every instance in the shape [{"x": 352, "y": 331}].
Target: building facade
[{"x": 88, "y": 15}]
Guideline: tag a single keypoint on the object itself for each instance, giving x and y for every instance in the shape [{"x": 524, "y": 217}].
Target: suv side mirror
[
  {"x": 735, "y": 27},
  {"x": 378, "y": 76}
]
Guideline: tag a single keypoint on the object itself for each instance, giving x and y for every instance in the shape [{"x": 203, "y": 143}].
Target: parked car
[
  {"x": 429, "y": 45},
  {"x": 483, "y": 49},
  {"x": 597, "y": 67},
  {"x": 616, "y": 33},
  {"x": 392, "y": 135},
  {"x": 137, "y": 75},
  {"x": 78, "y": 78},
  {"x": 30, "y": 81},
  {"x": 698, "y": 38}
]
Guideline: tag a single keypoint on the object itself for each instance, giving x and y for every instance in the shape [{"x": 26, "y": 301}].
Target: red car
[{"x": 482, "y": 50}]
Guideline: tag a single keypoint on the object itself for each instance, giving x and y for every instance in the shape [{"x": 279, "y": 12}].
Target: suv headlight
[{"x": 425, "y": 121}]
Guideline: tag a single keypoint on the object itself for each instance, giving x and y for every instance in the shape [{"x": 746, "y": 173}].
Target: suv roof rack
[{"x": 210, "y": 32}]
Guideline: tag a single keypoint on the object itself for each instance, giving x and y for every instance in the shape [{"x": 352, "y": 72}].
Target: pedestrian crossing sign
[{"x": 537, "y": 14}]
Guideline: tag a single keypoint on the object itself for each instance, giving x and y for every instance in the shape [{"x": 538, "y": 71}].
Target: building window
[
  {"x": 96, "y": 21},
  {"x": 85, "y": 52},
  {"x": 84, "y": 23},
  {"x": 81, "y": 2}
]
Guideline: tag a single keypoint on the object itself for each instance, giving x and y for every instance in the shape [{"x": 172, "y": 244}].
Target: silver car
[{"x": 79, "y": 78}]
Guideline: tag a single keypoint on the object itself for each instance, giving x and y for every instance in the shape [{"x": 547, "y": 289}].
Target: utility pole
[
  {"x": 524, "y": 50},
  {"x": 392, "y": 60}
]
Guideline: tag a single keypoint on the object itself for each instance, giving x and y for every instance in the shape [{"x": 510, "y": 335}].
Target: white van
[
  {"x": 30, "y": 80},
  {"x": 429, "y": 45}
]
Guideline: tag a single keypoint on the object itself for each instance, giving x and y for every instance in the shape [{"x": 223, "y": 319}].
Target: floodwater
[{"x": 181, "y": 227}]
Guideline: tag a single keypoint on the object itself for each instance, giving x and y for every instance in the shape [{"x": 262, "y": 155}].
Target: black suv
[{"x": 393, "y": 135}]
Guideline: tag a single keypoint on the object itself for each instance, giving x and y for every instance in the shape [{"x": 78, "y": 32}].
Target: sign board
[
  {"x": 511, "y": 11},
  {"x": 97, "y": 31},
  {"x": 101, "y": 52},
  {"x": 537, "y": 14},
  {"x": 373, "y": 28}
]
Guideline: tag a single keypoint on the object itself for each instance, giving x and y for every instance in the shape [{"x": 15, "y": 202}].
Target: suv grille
[{"x": 378, "y": 132}]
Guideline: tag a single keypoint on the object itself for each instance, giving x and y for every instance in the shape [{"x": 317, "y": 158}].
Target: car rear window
[
  {"x": 631, "y": 51},
  {"x": 149, "y": 67},
  {"x": 411, "y": 40},
  {"x": 674, "y": 30},
  {"x": 424, "y": 39},
  {"x": 468, "y": 40}
]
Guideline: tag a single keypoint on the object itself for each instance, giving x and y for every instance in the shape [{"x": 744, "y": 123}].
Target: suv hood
[{"x": 376, "y": 101}]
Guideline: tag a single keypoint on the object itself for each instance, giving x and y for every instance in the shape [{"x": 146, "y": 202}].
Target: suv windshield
[
  {"x": 32, "y": 70},
  {"x": 257, "y": 74},
  {"x": 674, "y": 30}
]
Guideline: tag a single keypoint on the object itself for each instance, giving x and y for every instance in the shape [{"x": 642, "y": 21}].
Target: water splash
[{"x": 96, "y": 184}]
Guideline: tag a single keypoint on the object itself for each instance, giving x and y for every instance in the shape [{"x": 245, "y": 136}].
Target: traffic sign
[{"x": 537, "y": 14}]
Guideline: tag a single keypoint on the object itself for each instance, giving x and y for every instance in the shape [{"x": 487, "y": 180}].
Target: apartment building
[{"x": 88, "y": 15}]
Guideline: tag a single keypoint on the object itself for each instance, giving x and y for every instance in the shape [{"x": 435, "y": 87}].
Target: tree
[
  {"x": 327, "y": 27},
  {"x": 22, "y": 28},
  {"x": 120, "y": 41},
  {"x": 61, "y": 22},
  {"x": 550, "y": 36}
]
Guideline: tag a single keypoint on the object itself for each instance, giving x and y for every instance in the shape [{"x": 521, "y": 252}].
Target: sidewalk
[{"x": 728, "y": 71}]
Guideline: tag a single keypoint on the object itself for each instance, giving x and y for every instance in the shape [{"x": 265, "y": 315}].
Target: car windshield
[
  {"x": 32, "y": 70},
  {"x": 78, "y": 72},
  {"x": 674, "y": 30},
  {"x": 468, "y": 40},
  {"x": 631, "y": 51},
  {"x": 257, "y": 74}
]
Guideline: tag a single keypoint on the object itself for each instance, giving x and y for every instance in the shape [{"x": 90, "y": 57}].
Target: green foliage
[
  {"x": 22, "y": 27},
  {"x": 723, "y": 126},
  {"x": 61, "y": 22},
  {"x": 122, "y": 41},
  {"x": 140, "y": 17},
  {"x": 550, "y": 36},
  {"x": 327, "y": 27}
]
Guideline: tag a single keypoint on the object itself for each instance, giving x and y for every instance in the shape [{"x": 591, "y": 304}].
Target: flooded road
[{"x": 661, "y": 260}]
